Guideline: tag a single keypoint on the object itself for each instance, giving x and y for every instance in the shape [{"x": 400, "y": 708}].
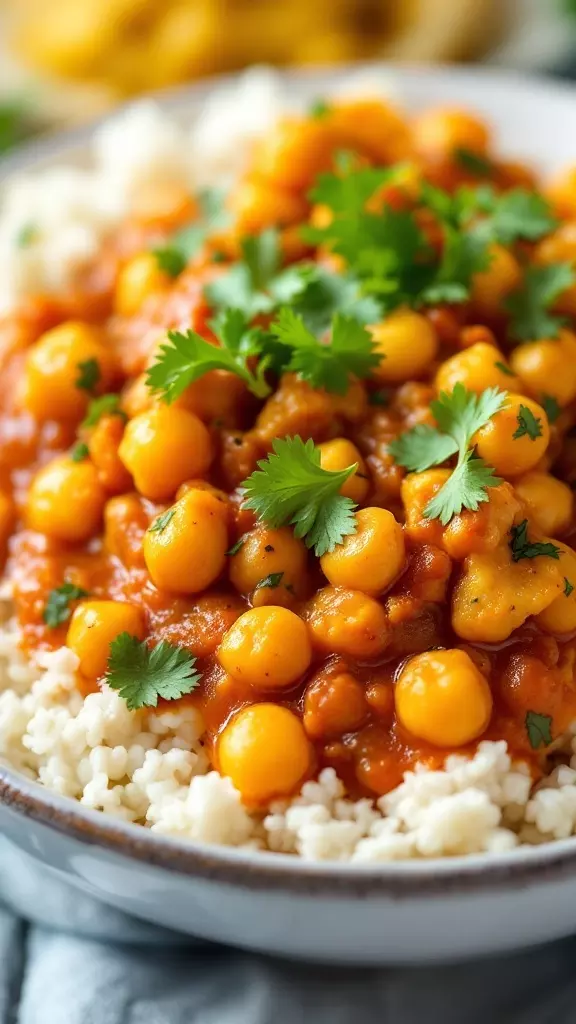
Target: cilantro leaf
[
  {"x": 161, "y": 521},
  {"x": 244, "y": 285},
  {"x": 237, "y": 546},
  {"x": 79, "y": 452},
  {"x": 351, "y": 351},
  {"x": 551, "y": 408},
  {"x": 185, "y": 358},
  {"x": 273, "y": 580},
  {"x": 319, "y": 109},
  {"x": 174, "y": 255},
  {"x": 517, "y": 214},
  {"x": 529, "y": 306},
  {"x": 474, "y": 163},
  {"x": 26, "y": 236},
  {"x": 57, "y": 609},
  {"x": 465, "y": 488},
  {"x": 422, "y": 447},
  {"x": 459, "y": 414},
  {"x": 528, "y": 424},
  {"x": 141, "y": 675},
  {"x": 106, "y": 405},
  {"x": 89, "y": 374},
  {"x": 522, "y": 547},
  {"x": 290, "y": 487},
  {"x": 317, "y": 294},
  {"x": 568, "y": 587},
  {"x": 503, "y": 368},
  {"x": 463, "y": 256},
  {"x": 539, "y": 729}
]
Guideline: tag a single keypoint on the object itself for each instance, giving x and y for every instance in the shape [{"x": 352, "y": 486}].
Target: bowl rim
[{"x": 28, "y": 799}]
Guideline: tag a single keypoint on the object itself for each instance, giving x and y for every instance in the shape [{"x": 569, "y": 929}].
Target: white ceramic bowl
[{"x": 407, "y": 912}]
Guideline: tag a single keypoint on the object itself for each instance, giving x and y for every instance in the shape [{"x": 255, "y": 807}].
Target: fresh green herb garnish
[
  {"x": 141, "y": 675},
  {"x": 79, "y": 452},
  {"x": 529, "y": 307},
  {"x": 539, "y": 729},
  {"x": 88, "y": 374},
  {"x": 329, "y": 366},
  {"x": 459, "y": 415},
  {"x": 528, "y": 424},
  {"x": 290, "y": 487},
  {"x": 161, "y": 521},
  {"x": 174, "y": 256},
  {"x": 273, "y": 580},
  {"x": 568, "y": 587},
  {"x": 16, "y": 122},
  {"x": 551, "y": 408},
  {"x": 246, "y": 284},
  {"x": 514, "y": 215},
  {"x": 106, "y": 405},
  {"x": 522, "y": 547},
  {"x": 57, "y": 609},
  {"x": 237, "y": 546},
  {"x": 476, "y": 164},
  {"x": 185, "y": 358},
  {"x": 319, "y": 108},
  {"x": 26, "y": 236},
  {"x": 503, "y": 368}
]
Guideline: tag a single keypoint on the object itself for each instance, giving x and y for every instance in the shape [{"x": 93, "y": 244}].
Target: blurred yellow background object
[{"x": 128, "y": 46}]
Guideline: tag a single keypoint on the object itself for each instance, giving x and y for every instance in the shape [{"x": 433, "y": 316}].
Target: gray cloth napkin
[{"x": 67, "y": 959}]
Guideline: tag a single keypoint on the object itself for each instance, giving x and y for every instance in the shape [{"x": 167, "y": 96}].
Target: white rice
[{"x": 151, "y": 768}]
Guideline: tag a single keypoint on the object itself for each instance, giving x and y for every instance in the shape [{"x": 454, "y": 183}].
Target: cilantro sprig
[
  {"x": 176, "y": 253},
  {"x": 529, "y": 425},
  {"x": 142, "y": 675},
  {"x": 539, "y": 729},
  {"x": 530, "y": 306},
  {"x": 185, "y": 358},
  {"x": 89, "y": 374},
  {"x": 290, "y": 487},
  {"x": 57, "y": 609},
  {"x": 459, "y": 414},
  {"x": 350, "y": 351}
]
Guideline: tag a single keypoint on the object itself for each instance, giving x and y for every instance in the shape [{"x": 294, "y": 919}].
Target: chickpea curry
[{"x": 303, "y": 454}]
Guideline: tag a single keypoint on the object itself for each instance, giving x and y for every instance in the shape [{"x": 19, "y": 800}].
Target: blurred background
[{"x": 64, "y": 61}]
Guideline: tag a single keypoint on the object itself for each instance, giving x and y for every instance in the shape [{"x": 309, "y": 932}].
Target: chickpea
[
  {"x": 477, "y": 368},
  {"x": 265, "y": 752},
  {"x": 340, "y": 453},
  {"x": 407, "y": 343},
  {"x": 560, "y": 247},
  {"x": 440, "y": 132},
  {"x": 560, "y": 616},
  {"x": 218, "y": 395},
  {"x": 264, "y": 552},
  {"x": 258, "y": 204},
  {"x": 347, "y": 622},
  {"x": 162, "y": 448},
  {"x": 189, "y": 552},
  {"x": 370, "y": 559},
  {"x": 491, "y": 286},
  {"x": 371, "y": 126},
  {"x": 443, "y": 698},
  {"x": 293, "y": 154},
  {"x": 548, "y": 367},
  {"x": 334, "y": 704},
  {"x": 53, "y": 367},
  {"x": 66, "y": 500},
  {"x": 502, "y": 445},
  {"x": 139, "y": 278},
  {"x": 549, "y": 502},
  {"x": 267, "y": 648},
  {"x": 93, "y": 627},
  {"x": 562, "y": 193}
]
